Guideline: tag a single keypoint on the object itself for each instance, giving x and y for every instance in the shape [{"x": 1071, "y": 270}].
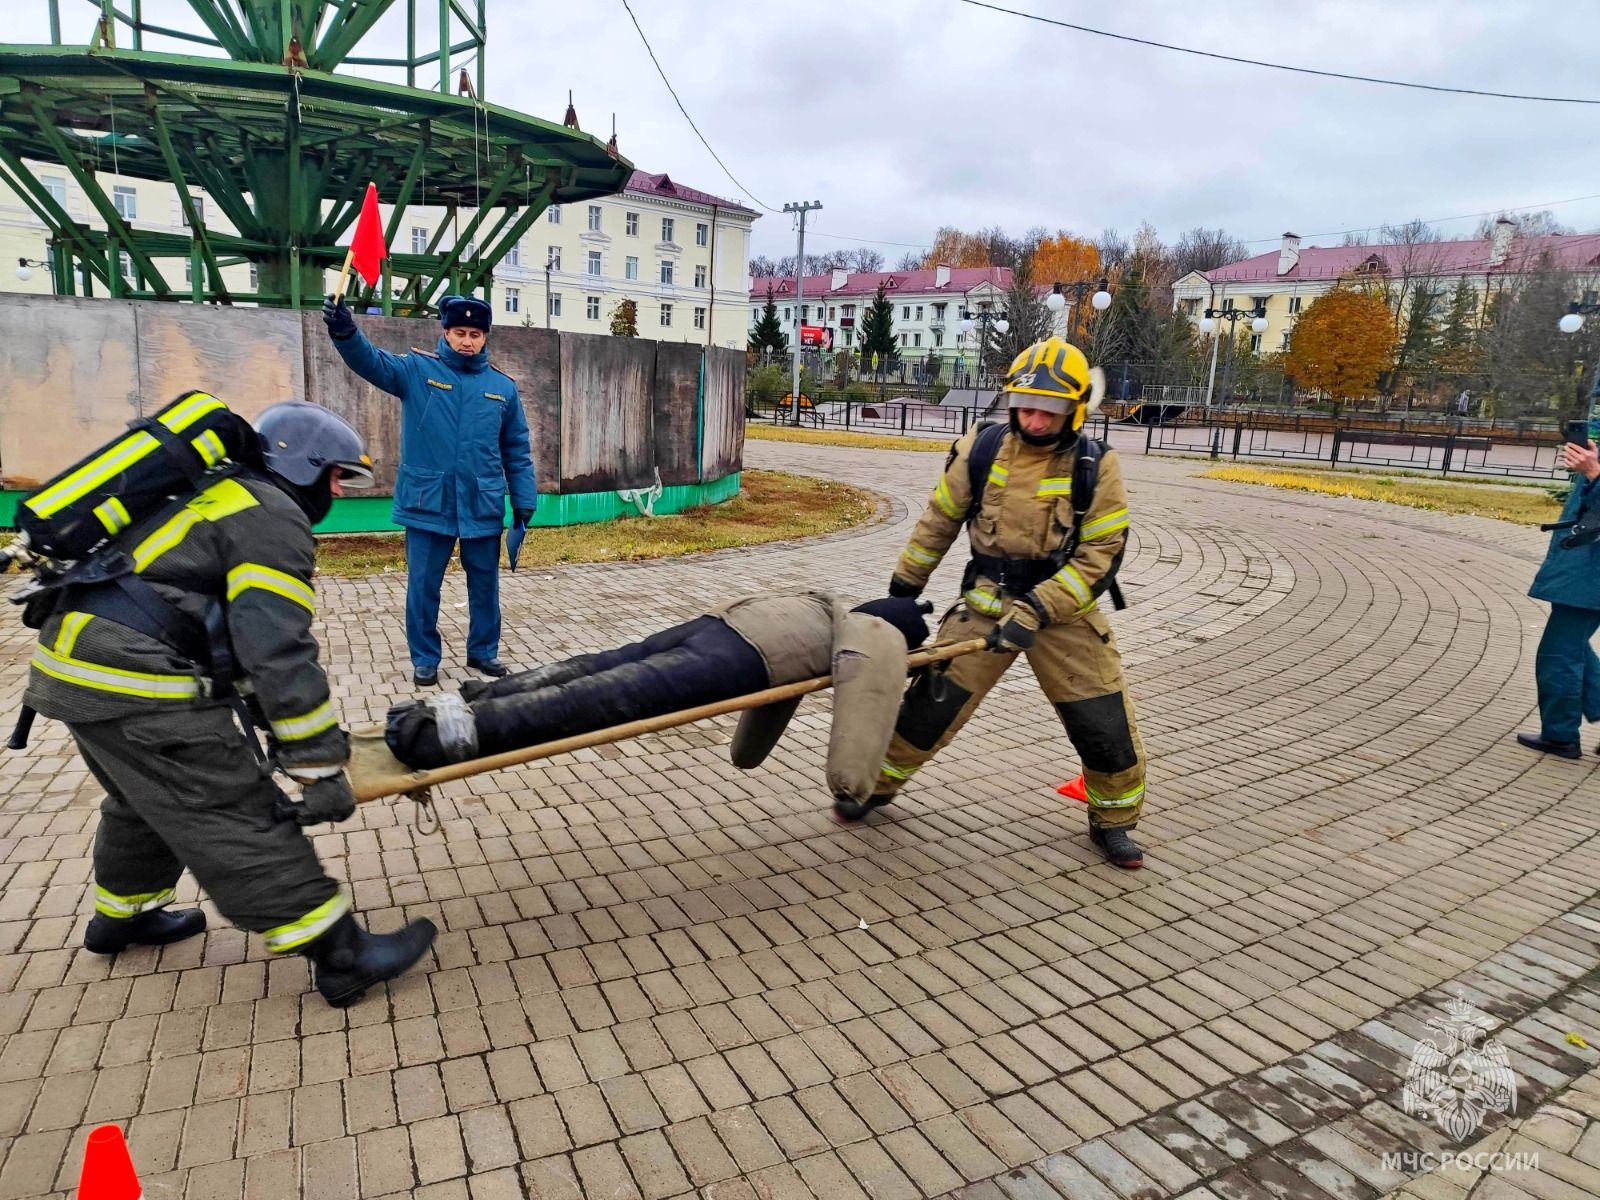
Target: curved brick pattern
[{"x": 652, "y": 981}]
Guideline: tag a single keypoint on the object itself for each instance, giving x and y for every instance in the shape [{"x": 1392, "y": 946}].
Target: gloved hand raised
[
  {"x": 899, "y": 588},
  {"x": 1019, "y": 626},
  {"x": 337, "y": 317},
  {"x": 326, "y": 799}
]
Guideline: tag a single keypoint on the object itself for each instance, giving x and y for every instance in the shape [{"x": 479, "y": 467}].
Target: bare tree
[
  {"x": 911, "y": 260},
  {"x": 1529, "y": 224},
  {"x": 863, "y": 258},
  {"x": 821, "y": 264},
  {"x": 785, "y": 266},
  {"x": 1409, "y": 283},
  {"x": 762, "y": 267},
  {"x": 1112, "y": 247},
  {"x": 1202, "y": 249}
]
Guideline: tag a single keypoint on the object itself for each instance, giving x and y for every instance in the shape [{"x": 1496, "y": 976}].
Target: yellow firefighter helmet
[{"x": 1054, "y": 375}]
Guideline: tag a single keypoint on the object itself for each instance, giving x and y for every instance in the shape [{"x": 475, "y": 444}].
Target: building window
[
  {"x": 419, "y": 239},
  {"x": 699, "y": 318},
  {"x": 555, "y": 304},
  {"x": 702, "y": 233},
  {"x": 919, "y": 312},
  {"x": 470, "y": 252},
  {"x": 125, "y": 265},
  {"x": 700, "y": 276},
  {"x": 199, "y": 203},
  {"x": 938, "y": 338},
  {"x": 905, "y": 313},
  {"x": 787, "y": 315},
  {"x": 633, "y": 224},
  {"x": 916, "y": 339},
  {"x": 666, "y": 233},
  {"x": 553, "y": 215},
  {"x": 666, "y": 314},
  {"x": 903, "y": 339},
  {"x": 1294, "y": 305},
  {"x": 594, "y": 262},
  {"x": 255, "y": 278},
  {"x": 666, "y": 272},
  {"x": 553, "y": 263},
  {"x": 514, "y": 255},
  {"x": 594, "y": 218},
  {"x": 833, "y": 313},
  {"x": 1255, "y": 343},
  {"x": 630, "y": 269},
  {"x": 126, "y": 201},
  {"x": 591, "y": 308},
  {"x": 57, "y": 187},
  {"x": 513, "y": 299},
  {"x": 849, "y": 337},
  {"x": 188, "y": 270},
  {"x": 1285, "y": 344},
  {"x": 1259, "y": 302},
  {"x": 849, "y": 310},
  {"x": 938, "y": 312},
  {"x": 805, "y": 312}
]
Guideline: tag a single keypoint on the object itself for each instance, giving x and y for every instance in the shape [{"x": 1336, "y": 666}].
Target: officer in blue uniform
[
  {"x": 463, "y": 447},
  {"x": 1566, "y": 669}
]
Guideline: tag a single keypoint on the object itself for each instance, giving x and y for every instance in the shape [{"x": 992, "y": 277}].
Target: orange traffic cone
[
  {"x": 108, "y": 1167},
  {"x": 1075, "y": 789}
]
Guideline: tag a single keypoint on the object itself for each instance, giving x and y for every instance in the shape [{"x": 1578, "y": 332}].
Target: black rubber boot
[
  {"x": 426, "y": 677},
  {"x": 848, "y": 812},
  {"x": 1118, "y": 847},
  {"x": 1559, "y": 749},
  {"x": 158, "y": 927},
  {"x": 348, "y": 960},
  {"x": 491, "y": 667}
]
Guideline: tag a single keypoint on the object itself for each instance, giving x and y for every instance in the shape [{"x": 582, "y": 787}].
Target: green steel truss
[{"x": 284, "y": 149}]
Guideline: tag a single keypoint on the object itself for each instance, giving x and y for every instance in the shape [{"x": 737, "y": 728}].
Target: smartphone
[{"x": 1578, "y": 433}]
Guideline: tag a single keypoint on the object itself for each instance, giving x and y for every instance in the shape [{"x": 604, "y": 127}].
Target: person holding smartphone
[{"x": 1566, "y": 669}]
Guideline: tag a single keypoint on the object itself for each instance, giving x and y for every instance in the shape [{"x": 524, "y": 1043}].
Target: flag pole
[{"x": 344, "y": 273}]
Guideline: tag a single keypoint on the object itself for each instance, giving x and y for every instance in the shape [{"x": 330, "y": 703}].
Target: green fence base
[{"x": 371, "y": 514}]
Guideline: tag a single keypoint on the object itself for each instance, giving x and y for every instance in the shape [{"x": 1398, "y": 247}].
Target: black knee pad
[
  {"x": 1099, "y": 732},
  {"x": 930, "y": 707}
]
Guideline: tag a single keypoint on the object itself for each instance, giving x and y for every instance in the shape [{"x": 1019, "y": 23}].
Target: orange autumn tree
[
  {"x": 1065, "y": 259},
  {"x": 956, "y": 248},
  {"x": 1341, "y": 344}
]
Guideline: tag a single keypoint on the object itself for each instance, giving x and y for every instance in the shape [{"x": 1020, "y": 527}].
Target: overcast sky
[{"x": 902, "y": 115}]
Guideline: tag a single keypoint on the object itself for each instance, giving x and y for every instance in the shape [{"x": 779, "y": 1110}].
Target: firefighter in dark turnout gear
[
  {"x": 1033, "y": 587},
  {"x": 185, "y": 786}
]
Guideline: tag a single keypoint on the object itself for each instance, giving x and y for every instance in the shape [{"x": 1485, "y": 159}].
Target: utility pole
[{"x": 801, "y": 207}]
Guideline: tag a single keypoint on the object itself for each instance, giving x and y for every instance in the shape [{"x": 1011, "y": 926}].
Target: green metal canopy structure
[{"x": 284, "y": 147}]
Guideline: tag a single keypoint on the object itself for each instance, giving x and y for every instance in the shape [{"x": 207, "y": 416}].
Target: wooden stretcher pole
[{"x": 370, "y": 784}]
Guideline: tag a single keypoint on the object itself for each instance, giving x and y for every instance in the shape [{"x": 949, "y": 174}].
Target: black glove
[
  {"x": 321, "y": 800},
  {"x": 1022, "y": 624},
  {"x": 521, "y": 516},
  {"x": 899, "y": 588},
  {"x": 337, "y": 317}
]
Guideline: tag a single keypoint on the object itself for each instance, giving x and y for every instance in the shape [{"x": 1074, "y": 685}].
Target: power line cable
[
  {"x": 651, "y": 51},
  {"x": 1439, "y": 220},
  {"x": 1275, "y": 66}
]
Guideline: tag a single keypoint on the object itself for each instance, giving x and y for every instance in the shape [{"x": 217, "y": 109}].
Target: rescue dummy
[
  {"x": 192, "y": 609},
  {"x": 1040, "y": 564},
  {"x": 743, "y": 647}
]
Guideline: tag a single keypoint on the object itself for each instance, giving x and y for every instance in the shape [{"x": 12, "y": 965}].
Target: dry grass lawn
[
  {"x": 829, "y": 437},
  {"x": 1521, "y": 505},
  {"x": 772, "y": 507}
]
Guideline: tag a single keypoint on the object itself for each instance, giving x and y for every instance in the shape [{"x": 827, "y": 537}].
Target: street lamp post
[
  {"x": 548, "y": 263},
  {"x": 1208, "y": 325},
  {"x": 1057, "y": 299},
  {"x": 1571, "y": 323},
  {"x": 982, "y": 319}
]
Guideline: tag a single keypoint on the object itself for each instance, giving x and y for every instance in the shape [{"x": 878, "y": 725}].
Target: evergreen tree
[
  {"x": 1028, "y": 318},
  {"x": 877, "y": 333},
  {"x": 768, "y": 334},
  {"x": 1459, "y": 332}
]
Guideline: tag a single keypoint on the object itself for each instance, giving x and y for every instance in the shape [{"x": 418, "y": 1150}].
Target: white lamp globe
[
  {"x": 1570, "y": 323},
  {"x": 23, "y": 273},
  {"x": 1207, "y": 325},
  {"x": 1056, "y": 301},
  {"x": 1259, "y": 325},
  {"x": 1102, "y": 300},
  {"x": 966, "y": 324},
  {"x": 1002, "y": 325}
]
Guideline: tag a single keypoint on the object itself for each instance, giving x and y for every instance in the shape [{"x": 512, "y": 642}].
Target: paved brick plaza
[{"x": 651, "y": 980}]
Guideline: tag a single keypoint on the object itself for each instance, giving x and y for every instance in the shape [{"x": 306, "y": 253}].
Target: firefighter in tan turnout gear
[
  {"x": 215, "y": 598},
  {"x": 1040, "y": 565}
]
